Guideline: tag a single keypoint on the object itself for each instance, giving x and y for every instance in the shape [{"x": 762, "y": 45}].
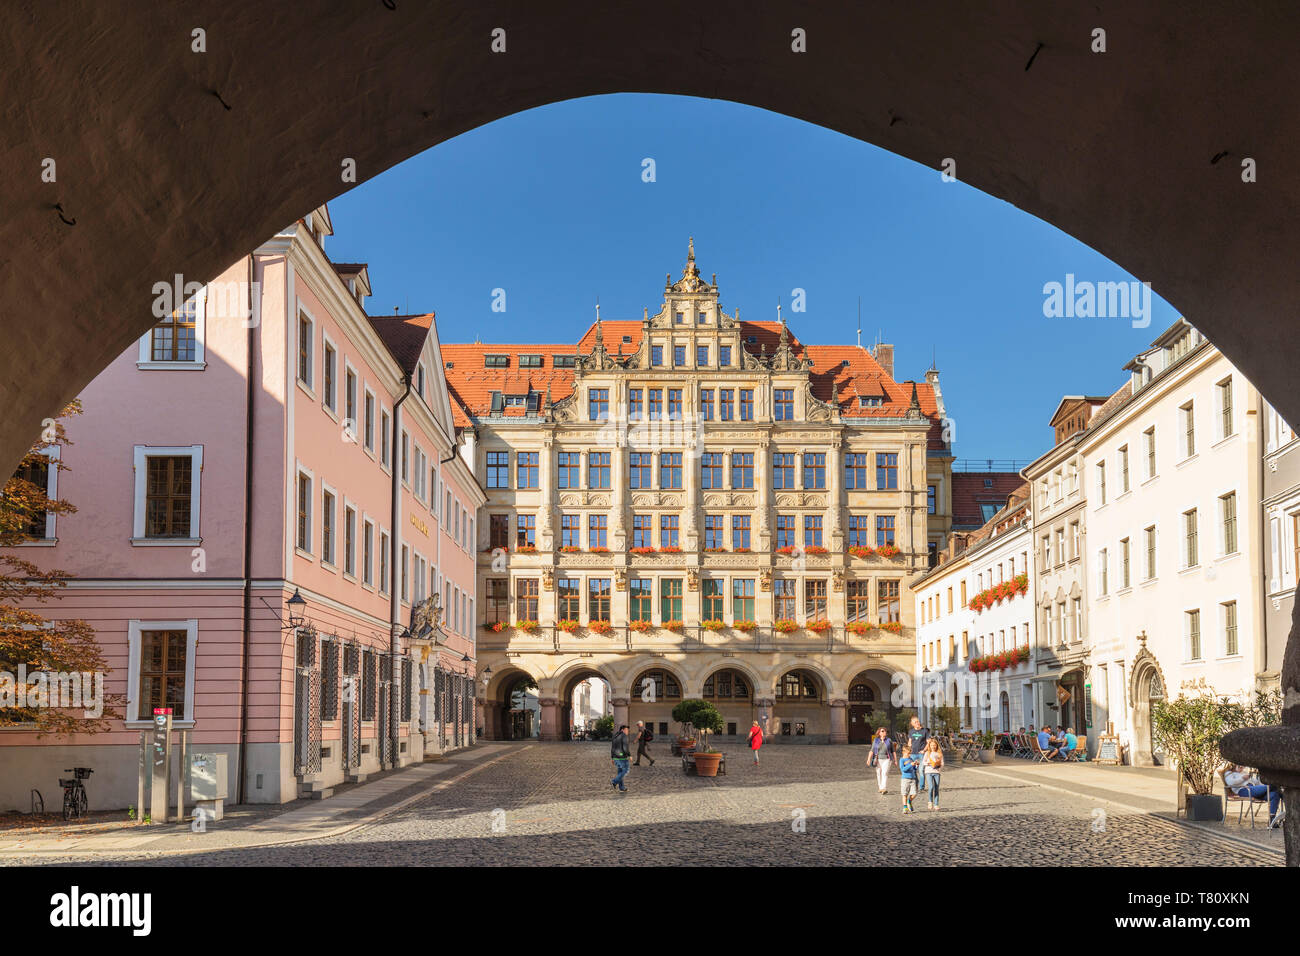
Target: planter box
[{"x": 1204, "y": 806}]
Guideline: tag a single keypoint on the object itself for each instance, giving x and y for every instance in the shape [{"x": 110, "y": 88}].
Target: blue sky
[{"x": 550, "y": 206}]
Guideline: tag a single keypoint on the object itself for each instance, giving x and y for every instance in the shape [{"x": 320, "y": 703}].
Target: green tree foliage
[{"x": 27, "y": 636}]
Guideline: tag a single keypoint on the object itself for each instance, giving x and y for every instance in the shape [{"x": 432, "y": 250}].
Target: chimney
[{"x": 885, "y": 357}]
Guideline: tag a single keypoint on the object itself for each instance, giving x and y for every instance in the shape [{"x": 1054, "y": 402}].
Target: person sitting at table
[
  {"x": 1243, "y": 783},
  {"x": 1069, "y": 743},
  {"x": 1046, "y": 742}
]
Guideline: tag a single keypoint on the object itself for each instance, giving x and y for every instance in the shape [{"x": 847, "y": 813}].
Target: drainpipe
[
  {"x": 446, "y": 611},
  {"x": 394, "y": 590},
  {"x": 248, "y": 549},
  {"x": 1261, "y": 536}
]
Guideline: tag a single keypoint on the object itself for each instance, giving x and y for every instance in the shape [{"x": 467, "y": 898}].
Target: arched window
[
  {"x": 726, "y": 685},
  {"x": 665, "y": 685},
  {"x": 1004, "y": 709},
  {"x": 797, "y": 685},
  {"x": 862, "y": 694}
]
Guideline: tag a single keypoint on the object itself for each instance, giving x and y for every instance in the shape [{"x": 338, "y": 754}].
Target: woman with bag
[
  {"x": 932, "y": 760},
  {"x": 755, "y": 740},
  {"x": 882, "y": 755}
]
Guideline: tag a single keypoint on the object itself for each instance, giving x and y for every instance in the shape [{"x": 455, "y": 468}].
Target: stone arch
[
  {"x": 1146, "y": 685},
  {"x": 831, "y": 688},
  {"x": 757, "y": 684},
  {"x": 500, "y": 721},
  {"x": 569, "y": 672},
  {"x": 633, "y": 669}
]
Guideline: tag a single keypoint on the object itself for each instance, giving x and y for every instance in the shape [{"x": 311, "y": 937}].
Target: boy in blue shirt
[{"x": 908, "y": 766}]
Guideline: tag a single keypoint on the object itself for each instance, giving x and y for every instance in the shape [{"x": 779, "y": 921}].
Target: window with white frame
[
  {"x": 177, "y": 341},
  {"x": 368, "y": 422},
  {"x": 1231, "y": 643},
  {"x": 1224, "y": 392},
  {"x": 167, "y": 480},
  {"x": 406, "y": 573},
  {"x": 1187, "y": 426},
  {"x": 329, "y": 376},
  {"x": 384, "y": 550},
  {"x": 304, "y": 511},
  {"x": 328, "y": 525},
  {"x": 350, "y": 415},
  {"x": 367, "y": 552},
  {"x": 1149, "y": 447},
  {"x": 349, "y": 540},
  {"x": 1101, "y": 483},
  {"x": 1228, "y": 516},
  {"x": 160, "y": 671},
  {"x": 1192, "y": 634},
  {"x": 385, "y": 430},
  {"x": 43, "y": 472},
  {"x": 1103, "y": 573},
  {"x": 1191, "y": 546}
]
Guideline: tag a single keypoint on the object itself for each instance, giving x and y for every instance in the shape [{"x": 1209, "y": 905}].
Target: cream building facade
[
  {"x": 671, "y": 507},
  {"x": 976, "y": 635},
  {"x": 1173, "y": 467}
]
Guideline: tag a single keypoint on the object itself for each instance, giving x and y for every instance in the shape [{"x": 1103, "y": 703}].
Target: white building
[
  {"x": 977, "y": 606},
  {"x": 1172, "y": 466}
]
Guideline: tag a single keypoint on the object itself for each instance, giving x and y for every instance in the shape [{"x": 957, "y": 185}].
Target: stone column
[
  {"x": 764, "y": 706},
  {"x": 835, "y": 496},
  {"x": 620, "y": 712},
  {"x": 763, "y": 496},
  {"x": 839, "y": 721},
  {"x": 550, "y": 727},
  {"x": 545, "y": 514}
]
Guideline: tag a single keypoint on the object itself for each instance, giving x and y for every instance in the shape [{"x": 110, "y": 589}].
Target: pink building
[{"x": 226, "y": 463}]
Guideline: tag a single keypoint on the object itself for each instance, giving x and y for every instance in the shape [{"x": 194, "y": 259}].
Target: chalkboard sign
[
  {"x": 1107, "y": 749},
  {"x": 1087, "y": 704}
]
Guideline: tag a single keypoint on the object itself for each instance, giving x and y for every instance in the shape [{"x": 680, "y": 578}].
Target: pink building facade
[{"x": 267, "y": 439}]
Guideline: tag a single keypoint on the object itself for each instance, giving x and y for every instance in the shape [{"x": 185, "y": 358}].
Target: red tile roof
[
  {"x": 972, "y": 489},
  {"x": 404, "y": 335},
  {"x": 471, "y": 384}
]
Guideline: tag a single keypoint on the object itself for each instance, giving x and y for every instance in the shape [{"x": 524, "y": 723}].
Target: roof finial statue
[
  {"x": 916, "y": 402},
  {"x": 600, "y": 337},
  {"x": 690, "y": 250}
]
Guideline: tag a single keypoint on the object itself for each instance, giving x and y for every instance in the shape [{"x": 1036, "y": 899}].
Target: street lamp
[{"x": 297, "y": 606}]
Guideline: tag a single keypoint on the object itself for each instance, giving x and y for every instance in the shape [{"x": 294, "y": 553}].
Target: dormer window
[
  {"x": 869, "y": 401},
  {"x": 496, "y": 361},
  {"x": 515, "y": 401},
  {"x": 627, "y": 340},
  {"x": 530, "y": 361},
  {"x": 564, "y": 361}
]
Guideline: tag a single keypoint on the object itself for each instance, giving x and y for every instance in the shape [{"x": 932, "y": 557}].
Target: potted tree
[
  {"x": 683, "y": 713},
  {"x": 986, "y": 746},
  {"x": 704, "y": 717},
  {"x": 1188, "y": 730}
]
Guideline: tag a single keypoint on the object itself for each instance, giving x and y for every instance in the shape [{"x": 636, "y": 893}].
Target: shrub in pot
[
  {"x": 1188, "y": 730},
  {"x": 704, "y": 717}
]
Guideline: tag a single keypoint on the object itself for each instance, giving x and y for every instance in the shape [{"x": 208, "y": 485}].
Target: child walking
[
  {"x": 932, "y": 760},
  {"x": 908, "y": 766}
]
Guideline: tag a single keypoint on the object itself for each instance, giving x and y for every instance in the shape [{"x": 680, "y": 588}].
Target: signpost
[{"x": 162, "y": 762}]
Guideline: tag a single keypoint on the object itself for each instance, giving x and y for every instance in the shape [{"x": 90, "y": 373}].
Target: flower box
[
  {"x": 714, "y": 550},
  {"x": 600, "y": 627},
  {"x": 745, "y": 626},
  {"x": 893, "y": 627},
  {"x": 786, "y": 550},
  {"x": 567, "y": 625},
  {"x": 641, "y": 550},
  {"x": 857, "y": 627},
  {"x": 818, "y": 627},
  {"x": 528, "y": 627},
  {"x": 785, "y": 625},
  {"x": 640, "y": 625},
  {"x": 496, "y": 628},
  {"x": 526, "y": 549},
  {"x": 742, "y": 550},
  {"x": 600, "y": 550},
  {"x": 888, "y": 551},
  {"x": 570, "y": 549},
  {"x": 671, "y": 549},
  {"x": 814, "y": 549},
  {"x": 672, "y": 625},
  {"x": 712, "y": 624},
  {"x": 861, "y": 551}
]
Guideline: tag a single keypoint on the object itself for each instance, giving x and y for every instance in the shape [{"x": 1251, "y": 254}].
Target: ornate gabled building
[{"x": 692, "y": 505}]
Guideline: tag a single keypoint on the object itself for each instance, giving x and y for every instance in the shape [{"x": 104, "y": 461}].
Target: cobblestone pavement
[{"x": 552, "y": 804}]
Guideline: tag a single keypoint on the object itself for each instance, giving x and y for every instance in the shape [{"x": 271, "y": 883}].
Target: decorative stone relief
[
  {"x": 548, "y": 580},
  {"x": 692, "y": 580},
  {"x": 765, "y": 579},
  {"x": 620, "y": 580}
]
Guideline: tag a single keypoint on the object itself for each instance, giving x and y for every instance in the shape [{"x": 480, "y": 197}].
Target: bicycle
[{"x": 75, "y": 801}]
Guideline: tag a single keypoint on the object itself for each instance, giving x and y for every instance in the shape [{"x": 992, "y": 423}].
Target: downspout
[
  {"x": 394, "y": 590},
  {"x": 248, "y": 550},
  {"x": 1262, "y": 540},
  {"x": 446, "y": 611}
]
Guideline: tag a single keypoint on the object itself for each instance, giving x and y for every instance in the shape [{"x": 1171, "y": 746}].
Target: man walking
[
  {"x": 619, "y": 754},
  {"x": 643, "y": 736}
]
